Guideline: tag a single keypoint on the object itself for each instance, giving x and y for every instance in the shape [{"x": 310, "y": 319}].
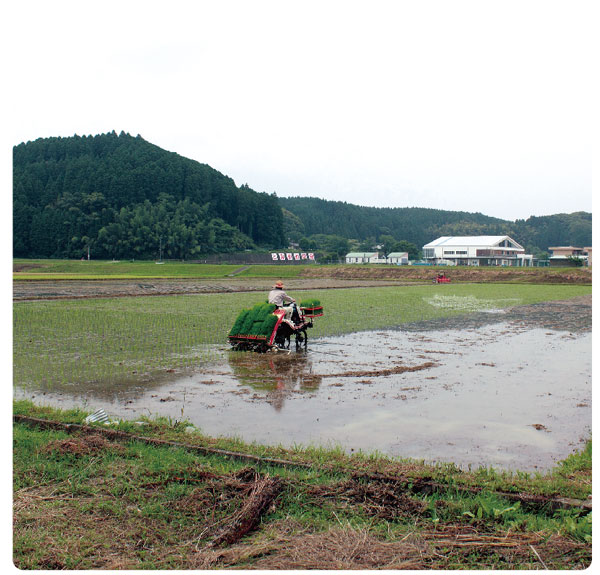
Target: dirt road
[
  {"x": 71, "y": 289},
  {"x": 313, "y": 278}
]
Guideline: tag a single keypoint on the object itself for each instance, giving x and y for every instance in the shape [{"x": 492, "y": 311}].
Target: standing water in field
[{"x": 510, "y": 390}]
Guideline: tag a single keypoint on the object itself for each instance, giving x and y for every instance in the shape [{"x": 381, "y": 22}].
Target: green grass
[
  {"x": 570, "y": 478},
  {"x": 74, "y": 269},
  {"x": 102, "y": 340},
  {"x": 88, "y": 270},
  {"x": 275, "y": 271},
  {"x": 133, "y": 505}
]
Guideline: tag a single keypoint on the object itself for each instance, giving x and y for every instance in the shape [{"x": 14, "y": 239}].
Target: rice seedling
[
  {"x": 312, "y": 302},
  {"x": 124, "y": 339},
  {"x": 258, "y": 321}
]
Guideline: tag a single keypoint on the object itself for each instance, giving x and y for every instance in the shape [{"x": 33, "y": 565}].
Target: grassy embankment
[
  {"x": 100, "y": 501},
  {"x": 62, "y": 342},
  {"x": 24, "y": 270},
  {"x": 96, "y": 270}
]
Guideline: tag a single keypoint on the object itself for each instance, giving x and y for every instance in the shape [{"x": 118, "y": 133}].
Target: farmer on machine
[{"x": 278, "y": 297}]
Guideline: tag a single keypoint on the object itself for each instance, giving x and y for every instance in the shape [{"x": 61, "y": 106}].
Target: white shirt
[{"x": 279, "y": 297}]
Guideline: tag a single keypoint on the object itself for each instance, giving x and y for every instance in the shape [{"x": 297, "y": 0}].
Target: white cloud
[{"x": 462, "y": 105}]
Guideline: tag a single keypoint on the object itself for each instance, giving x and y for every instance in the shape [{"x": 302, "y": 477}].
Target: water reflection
[
  {"x": 275, "y": 376},
  {"x": 108, "y": 389}
]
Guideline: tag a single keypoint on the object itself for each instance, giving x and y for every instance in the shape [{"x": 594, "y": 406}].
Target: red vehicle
[{"x": 441, "y": 279}]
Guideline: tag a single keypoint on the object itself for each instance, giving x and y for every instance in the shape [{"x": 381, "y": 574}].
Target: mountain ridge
[{"x": 124, "y": 197}]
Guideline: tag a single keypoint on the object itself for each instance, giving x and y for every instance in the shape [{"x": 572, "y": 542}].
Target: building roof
[
  {"x": 398, "y": 255},
  {"x": 361, "y": 254},
  {"x": 470, "y": 241}
]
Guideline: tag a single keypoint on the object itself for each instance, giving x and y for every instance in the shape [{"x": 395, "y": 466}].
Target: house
[
  {"x": 361, "y": 257},
  {"x": 564, "y": 255},
  {"x": 398, "y": 258},
  {"x": 476, "y": 251}
]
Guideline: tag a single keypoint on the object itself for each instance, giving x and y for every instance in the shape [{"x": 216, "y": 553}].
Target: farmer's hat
[{"x": 278, "y": 284}]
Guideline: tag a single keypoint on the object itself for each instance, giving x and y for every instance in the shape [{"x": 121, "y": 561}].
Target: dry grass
[
  {"x": 290, "y": 546},
  {"x": 105, "y": 531},
  {"x": 376, "y": 499},
  {"x": 87, "y": 445}
]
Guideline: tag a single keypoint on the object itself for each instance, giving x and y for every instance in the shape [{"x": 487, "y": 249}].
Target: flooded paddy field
[{"x": 509, "y": 389}]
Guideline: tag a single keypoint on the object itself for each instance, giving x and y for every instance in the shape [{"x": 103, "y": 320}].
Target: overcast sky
[{"x": 460, "y": 105}]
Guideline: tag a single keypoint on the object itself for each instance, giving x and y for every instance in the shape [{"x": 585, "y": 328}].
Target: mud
[
  {"x": 81, "y": 289},
  {"x": 508, "y": 389}
]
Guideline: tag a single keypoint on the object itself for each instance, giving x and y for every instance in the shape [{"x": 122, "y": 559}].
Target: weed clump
[{"x": 89, "y": 445}]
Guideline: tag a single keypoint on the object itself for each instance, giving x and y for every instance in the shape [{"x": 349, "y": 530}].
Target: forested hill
[
  {"x": 419, "y": 226},
  {"x": 124, "y": 197}
]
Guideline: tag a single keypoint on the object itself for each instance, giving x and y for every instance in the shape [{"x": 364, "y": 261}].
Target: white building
[
  {"x": 398, "y": 258},
  {"x": 374, "y": 258},
  {"x": 361, "y": 257},
  {"x": 476, "y": 251}
]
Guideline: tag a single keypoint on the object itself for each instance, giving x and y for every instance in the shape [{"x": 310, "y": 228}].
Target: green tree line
[{"x": 391, "y": 227}]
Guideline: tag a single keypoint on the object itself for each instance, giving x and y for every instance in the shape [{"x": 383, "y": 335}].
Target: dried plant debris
[
  {"x": 83, "y": 445},
  {"x": 383, "y": 372},
  {"x": 263, "y": 493},
  {"x": 345, "y": 548},
  {"x": 383, "y": 500}
]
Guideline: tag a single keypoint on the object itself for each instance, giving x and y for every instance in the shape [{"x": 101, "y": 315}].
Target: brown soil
[{"x": 25, "y": 267}]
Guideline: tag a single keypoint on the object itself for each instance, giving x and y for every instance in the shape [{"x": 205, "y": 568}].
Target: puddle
[{"x": 510, "y": 390}]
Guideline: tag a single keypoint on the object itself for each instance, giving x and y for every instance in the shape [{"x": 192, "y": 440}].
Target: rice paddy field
[
  {"x": 103, "y": 340},
  {"x": 209, "y": 463}
]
